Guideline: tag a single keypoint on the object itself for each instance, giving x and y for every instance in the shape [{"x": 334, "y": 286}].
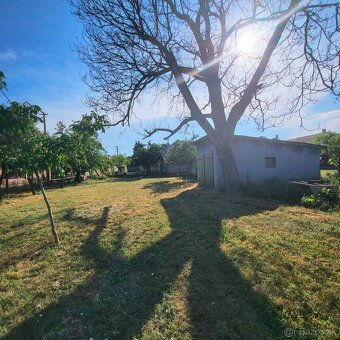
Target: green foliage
[
  {"x": 326, "y": 199},
  {"x": 118, "y": 162},
  {"x": 331, "y": 141},
  {"x": 24, "y": 149},
  {"x": 90, "y": 123},
  {"x": 333, "y": 178},
  {"x": 2, "y": 82},
  {"x": 17, "y": 127},
  {"x": 145, "y": 155},
  {"x": 78, "y": 148},
  {"x": 309, "y": 201},
  {"x": 182, "y": 152}
]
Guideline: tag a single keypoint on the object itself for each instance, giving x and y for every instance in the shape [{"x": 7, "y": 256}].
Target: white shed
[{"x": 259, "y": 159}]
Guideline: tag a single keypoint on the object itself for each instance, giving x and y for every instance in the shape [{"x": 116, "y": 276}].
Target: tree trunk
[
  {"x": 63, "y": 181},
  {"x": 54, "y": 231},
  {"x": 78, "y": 176},
  {"x": 4, "y": 172},
  {"x": 229, "y": 168},
  {"x": 31, "y": 183},
  {"x": 1, "y": 178}
]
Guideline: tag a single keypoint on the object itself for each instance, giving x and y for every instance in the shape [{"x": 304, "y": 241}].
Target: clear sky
[{"x": 41, "y": 67}]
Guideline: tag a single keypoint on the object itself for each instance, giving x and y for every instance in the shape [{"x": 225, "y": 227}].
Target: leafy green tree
[
  {"x": 79, "y": 149},
  {"x": 118, "y": 161},
  {"x": 146, "y": 155},
  {"x": 33, "y": 156},
  {"x": 23, "y": 146},
  {"x": 17, "y": 124},
  {"x": 182, "y": 152},
  {"x": 331, "y": 141}
]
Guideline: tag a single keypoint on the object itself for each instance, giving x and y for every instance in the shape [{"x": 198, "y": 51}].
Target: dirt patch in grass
[{"x": 162, "y": 259}]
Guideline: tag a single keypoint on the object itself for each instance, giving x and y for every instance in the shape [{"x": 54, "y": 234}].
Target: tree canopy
[
  {"x": 25, "y": 150},
  {"x": 182, "y": 152},
  {"x": 331, "y": 141},
  {"x": 146, "y": 155}
]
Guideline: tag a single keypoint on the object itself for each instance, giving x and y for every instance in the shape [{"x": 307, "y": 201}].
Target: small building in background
[{"x": 259, "y": 159}]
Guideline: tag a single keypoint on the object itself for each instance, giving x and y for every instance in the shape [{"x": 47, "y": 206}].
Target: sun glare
[{"x": 247, "y": 42}]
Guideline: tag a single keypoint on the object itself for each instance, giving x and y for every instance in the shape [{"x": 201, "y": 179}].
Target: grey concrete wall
[{"x": 292, "y": 161}]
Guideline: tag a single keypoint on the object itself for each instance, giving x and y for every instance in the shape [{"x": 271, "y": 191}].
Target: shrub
[
  {"x": 326, "y": 199},
  {"x": 332, "y": 178},
  {"x": 309, "y": 201}
]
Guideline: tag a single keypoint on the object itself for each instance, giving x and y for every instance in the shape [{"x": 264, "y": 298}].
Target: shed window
[{"x": 270, "y": 162}]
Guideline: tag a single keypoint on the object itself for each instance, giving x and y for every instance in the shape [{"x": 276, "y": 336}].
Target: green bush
[
  {"x": 332, "y": 178},
  {"x": 309, "y": 201},
  {"x": 326, "y": 199}
]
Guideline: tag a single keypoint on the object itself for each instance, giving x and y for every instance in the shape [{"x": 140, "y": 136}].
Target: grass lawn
[
  {"x": 323, "y": 173},
  {"x": 161, "y": 259}
]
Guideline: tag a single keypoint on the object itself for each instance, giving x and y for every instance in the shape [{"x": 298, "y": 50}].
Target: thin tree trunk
[{"x": 54, "y": 231}]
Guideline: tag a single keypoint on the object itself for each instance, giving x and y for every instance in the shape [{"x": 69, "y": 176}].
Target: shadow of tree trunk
[{"x": 121, "y": 296}]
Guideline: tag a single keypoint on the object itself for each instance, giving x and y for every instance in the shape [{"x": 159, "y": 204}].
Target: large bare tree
[{"x": 191, "y": 50}]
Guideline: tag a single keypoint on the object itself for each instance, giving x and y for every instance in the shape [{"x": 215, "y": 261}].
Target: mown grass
[
  {"x": 325, "y": 173},
  {"x": 162, "y": 259}
]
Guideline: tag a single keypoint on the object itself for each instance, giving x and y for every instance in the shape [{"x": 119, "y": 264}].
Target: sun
[{"x": 248, "y": 41}]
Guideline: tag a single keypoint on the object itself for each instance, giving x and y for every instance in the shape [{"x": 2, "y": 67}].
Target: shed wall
[{"x": 292, "y": 161}]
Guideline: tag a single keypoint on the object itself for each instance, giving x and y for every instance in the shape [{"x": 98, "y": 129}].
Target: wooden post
[{"x": 54, "y": 232}]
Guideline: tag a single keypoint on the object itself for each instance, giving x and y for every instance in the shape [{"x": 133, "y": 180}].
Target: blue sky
[{"x": 41, "y": 67}]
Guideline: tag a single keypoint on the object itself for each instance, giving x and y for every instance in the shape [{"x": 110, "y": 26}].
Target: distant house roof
[
  {"x": 305, "y": 139},
  {"x": 262, "y": 140},
  {"x": 308, "y": 138}
]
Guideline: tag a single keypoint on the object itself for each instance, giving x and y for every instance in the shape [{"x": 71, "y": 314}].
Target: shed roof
[{"x": 205, "y": 139}]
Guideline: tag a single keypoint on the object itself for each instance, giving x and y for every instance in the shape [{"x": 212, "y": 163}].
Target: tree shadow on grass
[
  {"x": 167, "y": 186},
  {"x": 122, "y": 294}
]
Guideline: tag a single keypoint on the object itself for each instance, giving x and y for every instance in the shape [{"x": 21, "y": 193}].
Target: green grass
[
  {"x": 162, "y": 259},
  {"x": 324, "y": 173}
]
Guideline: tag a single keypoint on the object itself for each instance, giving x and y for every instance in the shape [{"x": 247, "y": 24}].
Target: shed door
[{"x": 206, "y": 170}]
